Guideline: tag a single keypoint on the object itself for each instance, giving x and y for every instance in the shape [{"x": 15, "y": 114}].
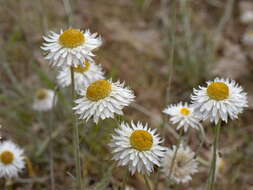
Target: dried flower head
[{"x": 184, "y": 164}]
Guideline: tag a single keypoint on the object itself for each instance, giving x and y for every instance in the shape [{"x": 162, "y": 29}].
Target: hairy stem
[
  {"x": 76, "y": 136},
  {"x": 211, "y": 177},
  {"x": 51, "y": 151}
]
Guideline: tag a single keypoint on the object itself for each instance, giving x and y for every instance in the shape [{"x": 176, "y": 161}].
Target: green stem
[
  {"x": 175, "y": 154},
  {"x": 147, "y": 182},
  {"x": 76, "y": 136},
  {"x": 211, "y": 176},
  {"x": 51, "y": 151}
]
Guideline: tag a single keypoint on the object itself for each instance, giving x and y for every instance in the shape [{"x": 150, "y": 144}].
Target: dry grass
[{"x": 162, "y": 49}]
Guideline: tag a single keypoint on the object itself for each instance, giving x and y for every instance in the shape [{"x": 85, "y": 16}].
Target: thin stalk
[
  {"x": 175, "y": 154},
  {"x": 51, "y": 154},
  {"x": 69, "y": 12},
  {"x": 202, "y": 140},
  {"x": 76, "y": 136},
  {"x": 219, "y": 31},
  {"x": 223, "y": 21},
  {"x": 172, "y": 43},
  {"x": 147, "y": 182},
  {"x": 45, "y": 143},
  {"x": 51, "y": 159},
  {"x": 211, "y": 177},
  {"x": 51, "y": 151}
]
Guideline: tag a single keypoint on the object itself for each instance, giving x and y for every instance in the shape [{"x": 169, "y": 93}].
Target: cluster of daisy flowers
[
  {"x": 72, "y": 51},
  {"x": 134, "y": 145},
  {"x": 220, "y": 100}
]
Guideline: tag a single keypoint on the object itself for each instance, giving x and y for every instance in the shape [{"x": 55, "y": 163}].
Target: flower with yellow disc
[
  {"x": 183, "y": 115},
  {"x": 220, "y": 100},
  {"x": 11, "y": 159},
  {"x": 102, "y": 99},
  {"x": 70, "y": 47},
  {"x": 137, "y": 147}
]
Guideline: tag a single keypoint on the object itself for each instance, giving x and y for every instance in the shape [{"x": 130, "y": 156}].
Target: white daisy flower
[
  {"x": 184, "y": 164},
  {"x": 183, "y": 115},
  {"x": 44, "y": 100},
  {"x": 70, "y": 47},
  {"x": 221, "y": 99},
  {"x": 137, "y": 146},
  {"x": 11, "y": 159},
  {"x": 248, "y": 38},
  {"x": 84, "y": 75},
  {"x": 103, "y": 98}
]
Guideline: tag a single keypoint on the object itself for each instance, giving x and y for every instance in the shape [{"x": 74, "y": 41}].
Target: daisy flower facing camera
[
  {"x": 183, "y": 115},
  {"x": 221, "y": 99},
  {"x": 103, "y": 98},
  {"x": 84, "y": 75},
  {"x": 11, "y": 159},
  {"x": 138, "y": 147},
  {"x": 70, "y": 47},
  {"x": 184, "y": 164},
  {"x": 44, "y": 100}
]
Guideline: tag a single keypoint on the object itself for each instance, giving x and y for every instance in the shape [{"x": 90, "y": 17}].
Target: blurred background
[{"x": 161, "y": 48}]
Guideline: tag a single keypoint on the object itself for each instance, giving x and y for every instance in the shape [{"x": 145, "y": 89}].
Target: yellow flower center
[
  {"x": 98, "y": 90},
  {"x": 71, "y": 38},
  {"x": 41, "y": 94},
  {"x": 141, "y": 140},
  {"x": 82, "y": 69},
  {"x": 218, "y": 91},
  {"x": 7, "y": 157},
  {"x": 185, "y": 111}
]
